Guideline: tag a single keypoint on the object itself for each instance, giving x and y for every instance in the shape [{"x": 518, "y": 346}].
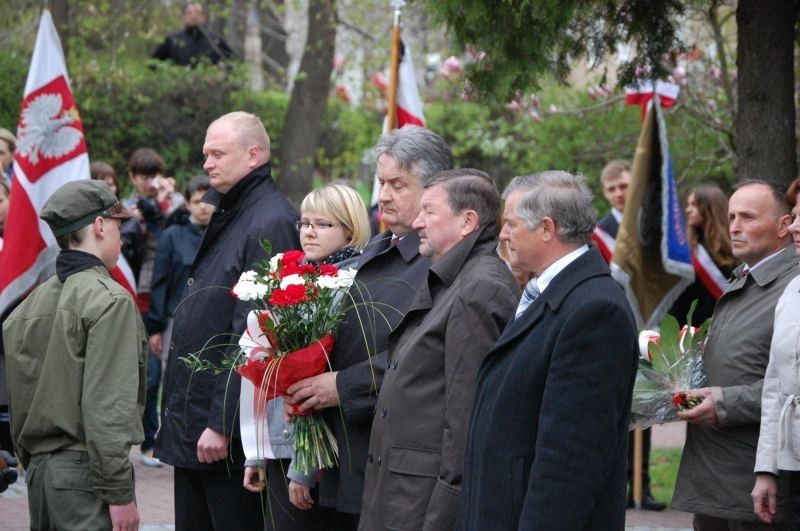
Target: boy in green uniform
[{"x": 76, "y": 355}]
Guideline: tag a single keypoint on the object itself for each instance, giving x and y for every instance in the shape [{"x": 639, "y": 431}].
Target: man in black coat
[
  {"x": 548, "y": 435},
  {"x": 194, "y": 42},
  {"x": 199, "y": 427},
  {"x": 390, "y": 273}
]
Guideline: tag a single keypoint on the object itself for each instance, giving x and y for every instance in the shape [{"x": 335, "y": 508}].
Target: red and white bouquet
[
  {"x": 671, "y": 363},
  {"x": 289, "y": 338}
]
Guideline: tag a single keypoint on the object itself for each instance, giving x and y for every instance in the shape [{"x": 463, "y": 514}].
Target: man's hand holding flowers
[
  {"x": 312, "y": 394},
  {"x": 705, "y": 413}
]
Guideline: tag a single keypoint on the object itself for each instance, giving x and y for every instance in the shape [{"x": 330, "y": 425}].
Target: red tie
[{"x": 395, "y": 239}]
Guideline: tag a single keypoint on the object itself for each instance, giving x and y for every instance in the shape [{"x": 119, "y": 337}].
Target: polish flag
[
  {"x": 51, "y": 152},
  {"x": 409, "y": 104}
]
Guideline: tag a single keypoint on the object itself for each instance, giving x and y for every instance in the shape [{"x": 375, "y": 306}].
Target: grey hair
[
  {"x": 417, "y": 150},
  {"x": 469, "y": 189},
  {"x": 559, "y": 195}
]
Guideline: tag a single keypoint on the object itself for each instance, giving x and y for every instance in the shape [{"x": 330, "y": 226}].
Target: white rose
[
  {"x": 273, "y": 262},
  {"x": 346, "y": 277},
  {"x": 341, "y": 281},
  {"x": 291, "y": 280}
]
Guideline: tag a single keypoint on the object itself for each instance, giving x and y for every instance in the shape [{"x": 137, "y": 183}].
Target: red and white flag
[
  {"x": 409, "y": 103},
  {"x": 51, "y": 152}
]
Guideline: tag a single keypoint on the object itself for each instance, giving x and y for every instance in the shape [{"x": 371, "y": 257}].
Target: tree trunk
[
  {"x": 765, "y": 124},
  {"x": 307, "y": 105}
]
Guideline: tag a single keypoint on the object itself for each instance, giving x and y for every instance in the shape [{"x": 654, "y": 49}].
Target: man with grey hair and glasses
[
  {"x": 548, "y": 436},
  {"x": 390, "y": 272}
]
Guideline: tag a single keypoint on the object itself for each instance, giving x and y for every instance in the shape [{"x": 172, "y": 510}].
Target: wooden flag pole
[
  {"x": 391, "y": 113},
  {"x": 637, "y": 468}
]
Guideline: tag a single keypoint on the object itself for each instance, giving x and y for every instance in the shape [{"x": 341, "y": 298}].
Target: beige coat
[
  {"x": 716, "y": 471},
  {"x": 779, "y": 440}
]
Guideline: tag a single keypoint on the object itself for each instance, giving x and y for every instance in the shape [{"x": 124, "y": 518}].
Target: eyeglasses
[{"x": 321, "y": 226}]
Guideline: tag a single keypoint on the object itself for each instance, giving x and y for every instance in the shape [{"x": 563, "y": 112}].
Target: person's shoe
[
  {"x": 147, "y": 459},
  {"x": 648, "y": 503}
]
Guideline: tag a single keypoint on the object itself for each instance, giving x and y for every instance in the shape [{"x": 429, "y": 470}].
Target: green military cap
[{"x": 77, "y": 204}]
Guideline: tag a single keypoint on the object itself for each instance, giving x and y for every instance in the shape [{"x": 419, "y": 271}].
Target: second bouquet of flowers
[
  {"x": 289, "y": 338},
  {"x": 671, "y": 364}
]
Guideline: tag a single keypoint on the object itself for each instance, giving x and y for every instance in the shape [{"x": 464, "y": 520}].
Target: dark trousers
[
  {"x": 150, "y": 415},
  {"x": 283, "y": 516},
  {"x": 646, "y": 435},
  {"x": 207, "y": 500}
]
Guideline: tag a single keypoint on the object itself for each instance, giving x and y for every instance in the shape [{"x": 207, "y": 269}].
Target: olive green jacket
[{"x": 76, "y": 359}]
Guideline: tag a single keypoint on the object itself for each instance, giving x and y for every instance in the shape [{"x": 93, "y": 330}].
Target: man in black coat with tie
[
  {"x": 547, "y": 443},
  {"x": 390, "y": 272}
]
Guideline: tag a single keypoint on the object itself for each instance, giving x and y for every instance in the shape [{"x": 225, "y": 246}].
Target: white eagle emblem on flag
[{"x": 47, "y": 129}]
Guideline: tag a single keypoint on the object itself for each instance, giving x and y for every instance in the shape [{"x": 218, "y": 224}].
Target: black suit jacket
[
  {"x": 387, "y": 282},
  {"x": 547, "y": 445}
]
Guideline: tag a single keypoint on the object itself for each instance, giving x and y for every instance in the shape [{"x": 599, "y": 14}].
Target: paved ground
[{"x": 154, "y": 496}]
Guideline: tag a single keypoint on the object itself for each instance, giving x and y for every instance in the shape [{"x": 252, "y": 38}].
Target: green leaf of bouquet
[
  {"x": 701, "y": 333},
  {"x": 658, "y": 362},
  {"x": 670, "y": 340},
  {"x": 691, "y": 312}
]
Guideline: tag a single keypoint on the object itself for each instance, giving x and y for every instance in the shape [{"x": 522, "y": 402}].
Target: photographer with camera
[{"x": 140, "y": 237}]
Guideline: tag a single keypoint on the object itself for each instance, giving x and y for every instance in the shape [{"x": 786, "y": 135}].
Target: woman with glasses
[
  {"x": 334, "y": 228},
  {"x": 333, "y": 225}
]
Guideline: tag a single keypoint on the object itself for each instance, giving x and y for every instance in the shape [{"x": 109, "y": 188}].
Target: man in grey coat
[
  {"x": 716, "y": 472},
  {"x": 416, "y": 450}
]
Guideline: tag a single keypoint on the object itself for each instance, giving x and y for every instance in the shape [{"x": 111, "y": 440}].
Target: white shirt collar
[
  {"x": 617, "y": 215},
  {"x": 543, "y": 280}
]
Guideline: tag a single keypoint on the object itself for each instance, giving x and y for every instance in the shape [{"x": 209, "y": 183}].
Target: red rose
[
  {"x": 290, "y": 296},
  {"x": 292, "y": 257},
  {"x": 289, "y": 269},
  {"x": 328, "y": 270},
  {"x": 307, "y": 269},
  {"x": 678, "y": 399}
]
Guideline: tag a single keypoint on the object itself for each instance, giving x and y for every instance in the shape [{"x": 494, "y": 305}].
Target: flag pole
[{"x": 391, "y": 113}]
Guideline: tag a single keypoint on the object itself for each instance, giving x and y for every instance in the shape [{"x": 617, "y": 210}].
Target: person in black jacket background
[
  {"x": 194, "y": 42},
  {"x": 174, "y": 258},
  {"x": 199, "y": 426}
]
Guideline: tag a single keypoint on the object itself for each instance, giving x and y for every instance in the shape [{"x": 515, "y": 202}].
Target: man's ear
[
  {"x": 99, "y": 226},
  {"x": 471, "y": 223},
  {"x": 548, "y": 228},
  {"x": 783, "y": 225},
  {"x": 252, "y": 156}
]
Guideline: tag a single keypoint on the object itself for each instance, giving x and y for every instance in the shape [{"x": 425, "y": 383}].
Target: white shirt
[
  {"x": 543, "y": 280},
  {"x": 617, "y": 214}
]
